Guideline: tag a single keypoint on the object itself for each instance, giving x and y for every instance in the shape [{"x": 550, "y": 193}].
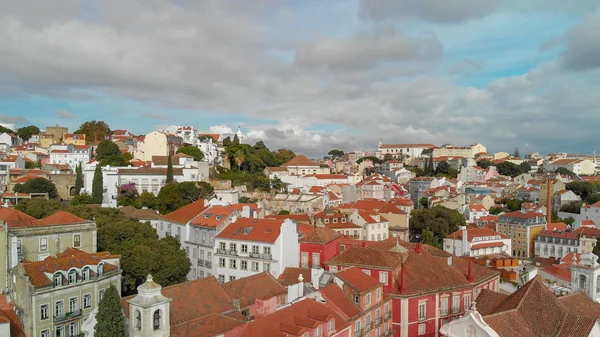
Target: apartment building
[
  {"x": 26, "y": 238},
  {"x": 522, "y": 227},
  {"x": 399, "y": 150},
  {"x": 375, "y": 227},
  {"x": 476, "y": 242},
  {"x": 250, "y": 246},
  {"x": 69, "y": 154},
  {"x": 55, "y": 296},
  {"x": 75, "y": 139},
  {"x": 449, "y": 150}
]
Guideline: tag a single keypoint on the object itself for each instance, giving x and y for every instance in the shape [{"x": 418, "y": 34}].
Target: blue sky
[{"x": 310, "y": 75}]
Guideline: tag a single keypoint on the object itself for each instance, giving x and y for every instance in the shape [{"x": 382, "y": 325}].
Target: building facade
[
  {"x": 522, "y": 227},
  {"x": 477, "y": 242}
]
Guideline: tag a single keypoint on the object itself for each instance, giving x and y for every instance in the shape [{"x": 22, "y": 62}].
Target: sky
[{"x": 311, "y": 75}]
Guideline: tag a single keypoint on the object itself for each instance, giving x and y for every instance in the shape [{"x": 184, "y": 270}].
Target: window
[
  {"x": 73, "y": 304},
  {"x": 267, "y": 250},
  {"x": 85, "y": 274},
  {"x": 356, "y": 299},
  {"x": 244, "y": 265},
  {"x": 316, "y": 260},
  {"x": 59, "y": 331},
  {"x": 59, "y": 309},
  {"x": 368, "y": 272},
  {"x": 456, "y": 304},
  {"x": 368, "y": 299},
  {"x": 195, "y": 253},
  {"x": 422, "y": 329},
  {"x": 233, "y": 247},
  {"x": 304, "y": 259},
  {"x": 72, "y": 276},
  {"x": 254, "y": 266},
  {"x": 378, "y": 292},
  {"x": 19, "y": 248},
  {"x": 221, "y": 262},
  {"x": 138, "y": 319},
  {"x": 467, "y": 301},
  {"x": 233, "y": 263},
  {"x": 244, "y": 248},
  {"x": 333, "y": 269},
  {"x": 100, "y": 295},
  {"x": 383, "y": 277},
  {"x": 444, "y": 306},
  {"x": 254, "y": 249},
  {"x": 76, "y": 240},
  {"x": 44, "y": 311},
  {"x": 100, "y": 269},
  {"x": 422, "y": 310},
  {"x": 266, "y": 266},
  {"x": 318, "y": 331},
  {"x": 45, "y": 333},
  {"x": 231, "y": 278},
  {"x": 222, "y": 245},
  {"x": 156, "y": 320},
  {"x": 87, "y": 301},
  {"x": 74, "y": 329},
  {"x": 331, "y": 326},
  {"x": 221, "y": 278},
  {"x": 43, "y": 244},
  {"x": 57, "y": 279}
]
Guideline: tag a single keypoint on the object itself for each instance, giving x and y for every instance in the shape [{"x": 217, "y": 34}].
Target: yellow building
[
  {"x": 46, "y": 139},
  {"x": 74, "y": 138},
  {"x": 450, "y": 150},
  {"x": 522, "y": 227}
]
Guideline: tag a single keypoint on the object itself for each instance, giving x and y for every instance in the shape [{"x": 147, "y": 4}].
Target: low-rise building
[
  {"x": 556, "y": 244},
  {"x": 578, "y": 166},
  {"x": 375, "y": 227},
  {"x": 69, "y": 154},
  {"x": 56, "y": 295},
  {"x": 318, "y": 246},
  {"x": 475, "y": 211},
  {"x": 249, "y": 246},
  {"x": 477, "y": 242},
  {"x": 301, "y": 165},
  {"x": 75, "y": 138}
]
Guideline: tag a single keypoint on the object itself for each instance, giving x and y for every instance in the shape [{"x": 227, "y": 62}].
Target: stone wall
[{"x": 65, "y": 185}]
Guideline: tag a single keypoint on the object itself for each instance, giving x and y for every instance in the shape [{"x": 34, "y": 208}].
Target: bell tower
[
  {"x": 585, "y": 275},
  {"x": 149, "y": 312}
]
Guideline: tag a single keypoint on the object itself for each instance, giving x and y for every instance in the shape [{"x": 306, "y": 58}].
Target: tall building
[{"x": 522, "y": 227}]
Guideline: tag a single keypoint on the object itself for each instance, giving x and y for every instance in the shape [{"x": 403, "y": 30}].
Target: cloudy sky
[{"x": 311, "y": 74}]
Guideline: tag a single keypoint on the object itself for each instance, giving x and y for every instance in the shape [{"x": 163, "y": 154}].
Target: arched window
[
  {"x": 156, "y": 320},
  {"x": 57, "y": 279},
  {"x": 100, "y": 269},
  {"x": 597, "y": 285},
  {"x": 138, "y": 319},
  {"x": 85, "y": 274},
  {"x": 582, "y": 282}
]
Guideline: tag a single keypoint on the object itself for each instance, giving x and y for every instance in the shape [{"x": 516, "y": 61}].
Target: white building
[
  {"x": 209, "y": 145},
  {"x": 475, "y": 211},
  {"x": 477, "y": 242},
  {"x": 250, "y": 246},
  {"x": 153, "y": 144},
  {"x": 577, "y": 166},
  {"x": 398, "y": 150},
  {"x": 556, "y": 244},
  {"x": 8, "y": 139},
  {"x": 9, "y": 163},
  {"x": 374, "y": 226},
  {"x": 188, "y": 134},
  {"x": 585, "y": 275},
  {"x": 69, "y": 154}
]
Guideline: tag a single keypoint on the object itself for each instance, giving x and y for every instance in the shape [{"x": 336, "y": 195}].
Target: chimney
[
  {"x": 548, "y": 203},
  {"x": 464, "y": 240},
  {"x": 470, "y": 276},
  {"x": 402, "y": 281},
  {"x": 245, "y": 211},
  {"x": 419, "y": 248}
]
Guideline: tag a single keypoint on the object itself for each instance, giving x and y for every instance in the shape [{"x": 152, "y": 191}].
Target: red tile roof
[
  {"x": 357, "y": 279},
  {"x": 294, "y": 320},
  {"x": 209, "y": 325},
  {"x": 408, "y": 146},
  {"x": 320, "y": 235},
  {"x": 247, "y": 229},
  {"x": 522, "y": 215},
  {"x": 213, "y": 216},
  {"x": 300, "y": 160},
  {"x": 214, "y": 136},
  {"x": 63, "y": 218},
  {"x": 290, "y": 275},
  {"x": 559, "y": 271},
  {"x": 328, "y": 176},
  {"x": 17, "y": 219},
  {"x": 342, "y": 225},
  {"x": 336, "y": 297},
  {"x": 487, "y": 245},
  {"x": 588, "y": 232},
  {"x": 248, "y": 289},
  {"x": 37, "y": 271},
  {"x": 9, "y": 316},
  {"x": 476, "y": 208},
  {"x": 186, "y": 213},
  {"x": 557, "y": 226},
  {"x": 557, "y": 234}
]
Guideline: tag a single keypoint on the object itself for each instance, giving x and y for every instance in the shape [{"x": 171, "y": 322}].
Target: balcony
[
  {"x": 359, "y": 333},
  {"x": 227, "y": 252},
  {"x": 201, "y": 263},
  {"x": 67, "y": 316},
  {"x": 378, "y": 321},
  {"x": 208, "y": 264},
  {"x": 261, "y": 256},
  {"x": 422, "y": 318},
  {"x": 387, "y": 316},
  {"x": 368, "y": 327},
  {"x": 444, "y": 313}
]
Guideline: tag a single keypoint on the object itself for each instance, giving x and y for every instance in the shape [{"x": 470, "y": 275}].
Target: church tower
[
  {"x": 149, "y": 312},
  {"x": 585, "y": 275}
]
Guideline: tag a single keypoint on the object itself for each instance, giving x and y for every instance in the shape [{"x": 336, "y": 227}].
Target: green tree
[
  {"x": 524, "y": 167},
  {"x": 170, "y": 178},
  {"x": 39, "y": 207},
  {"x": 582, "y": 188},
  {"x": 82, "y": 199},
  {"x": 98, "y": 185},
  {"x": 443, "y": 168},
  {"x": 37, "y": 185},
  {"x": 418, "y": 171},
  {"x": 572, "y": 207},
  {"x": 429, "y": 238},
  {"x": 424, "y": 202},
  {"x": 176, "y": 195},
  {"x": 484, "y": 163},
  {"x": 511, "y": 169},
  {"x": 146, "y": 199},
  {"x": 226, "y": 142},
  {"x": 108, "y": 153},
  {"x": 283, "y": 156},
  {"x": 236, "y": 140},
  {"x": 110, "y": 320},
  {"x": 596, "y": 249},
  {"x": 192, "y": 151},
  {"x": 29, "y": 165},
  {"x": 78, "y": 179},
  {"x": 517, "y": 153},
  {"x": 513, "y": 204},
  {"x": 565, "y": 171},
  {"x": 94, "y": 131},
  {"x": 374, "y": 159},
  {"x": 440, "y": 220},
  {"x": 128, "y": 194},
  {"x": 247, "y": 200},
  {"x": 277, "y": 184},
  {"x": 284, "y": 212},
  {"x": 430, "y": 168},
  {"x": 27, "y": 131},
  {"x": 6, "y": 130},
  {"x": 496, "y": 210},
  {"x": 335, "y": 153}
]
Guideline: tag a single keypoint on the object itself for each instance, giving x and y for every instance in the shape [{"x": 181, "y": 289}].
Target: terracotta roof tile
[
  {"x": 473, "y": 233},
  {"x": 63, "y": 218},
  {"x": 17, "y": 219},
  {"x": 186, "y": 213},
  {"x": 557, "y": 226},
  {"x": 206, "y": 326},
  {"x": 248, "y": 289},
  {"x": 247, "y": 229},
  {"x": 300, "y": 160},
  {"x": 290, "y": 275},
  {"x": 321, "y": 235},
  {"x": 213, "y": 216},
  {"x": 140, "y": 214},
  {"x": 335, "y": 296},
  {"x": 357, "y": 279}
]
